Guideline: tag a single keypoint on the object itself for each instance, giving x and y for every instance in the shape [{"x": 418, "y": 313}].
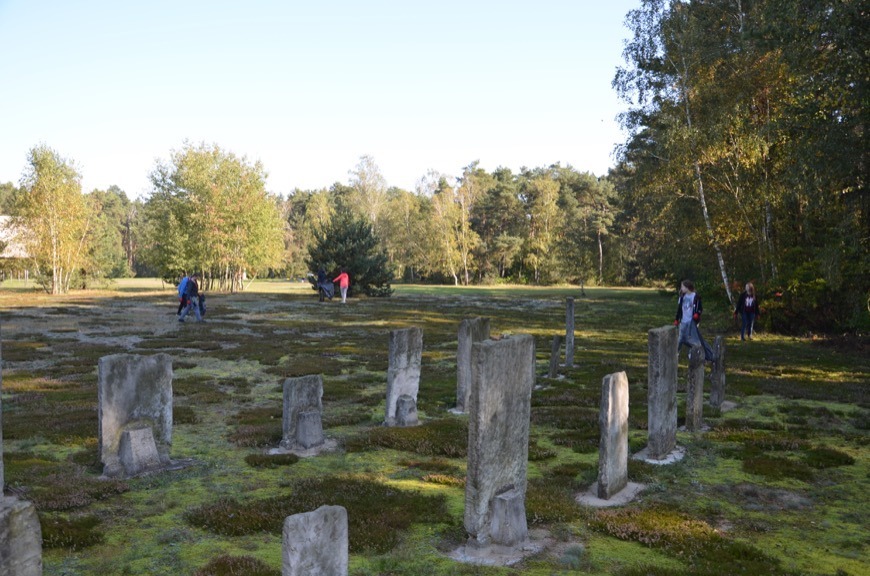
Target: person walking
[
  {"x": 182, "y": 288},
  {"x": 689, "y": 310},
  {"x": 747, "y": 307},
  {"x": 192, "y": 296},
  {"x": 343, "y": 282}
]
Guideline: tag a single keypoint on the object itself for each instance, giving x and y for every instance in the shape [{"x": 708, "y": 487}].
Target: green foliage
[
  {"x": 377, "y": 513},
  {"x": 225, "y": 565},
  {"x": 548, "y": 502},
  {"x": 350, "y": 243},
  {"x": 70, "y": 533}
]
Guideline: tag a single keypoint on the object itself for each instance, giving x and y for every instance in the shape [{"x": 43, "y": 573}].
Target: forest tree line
[{"x": 745, "y": 160}]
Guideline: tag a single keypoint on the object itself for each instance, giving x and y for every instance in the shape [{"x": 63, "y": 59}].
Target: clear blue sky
[{"x": 309, "y": 87}]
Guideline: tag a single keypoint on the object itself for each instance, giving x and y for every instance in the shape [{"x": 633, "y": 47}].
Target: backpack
[
  {"x": 202, "y": 304},
  {"x": 182, "y": 286}
]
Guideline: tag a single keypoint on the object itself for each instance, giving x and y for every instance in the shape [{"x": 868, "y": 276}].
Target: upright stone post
[
  {"x": 503, "y": 374},
  {"x": 569, "y": 333},
  {"x": 554, "y": 356},
  {"x": 303, "y": 412},
  {"x": 717, "y": 390},
  {"x": 613, "y": 448},
  {"x": 662, "y": 391},
  {"x": 471, "y": 330},
  {"x": 20, "y": 532},
  {"x": 316, "y": 543},
  {"x": 695, "y": 389},
  {"x": 133, "y": 393},
  {"x": 403, "y": 374}
]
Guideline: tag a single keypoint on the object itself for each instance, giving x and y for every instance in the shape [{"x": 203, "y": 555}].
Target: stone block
[
  {"x": 613, "y": 448},
  {"x": 471, "y": 330},
  {"x": 302, "y": 394},
  {"x": 20, "y": 538},
  {"x": 503, "y": 374},
  {"x": 717, "y": 389},
  {"x": 509, "y": 526},
  {"x": 403, "y": 373},
  {"x": 138, "y": 451},
  {"x": 695, "y": 389},
  {"x": 406, "y": 411},
  {"x": 315, "y": 543},
  {"x": 132, "y": 389},
  {"x": 569, "y": 332},
  {"x": 309, "y": 429},
  {"x": 554, "y": 356},
  {"x": 662, "y": 391}
]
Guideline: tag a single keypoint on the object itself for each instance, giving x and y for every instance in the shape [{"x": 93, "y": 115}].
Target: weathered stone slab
[
  {"x": 133, "y": 391},
  {"x": 20, "y": 538},
  {"x": 509, "y": 525},
  {"x": 662, "y": 391},
  {"x": 613, "y": 448},
  {"x": 471, "y": 330},
  {"x": 569, "y": 332},
  {"x": 406, "y": 411},
  {"x": 717, "y": 390},
  {"x": 403, "y": 374},
  {"x": 303, "y": 395},
  {"x": 503, "y": 374},
  {"x": 554, "y": 356},
  {"x": 315, "y": 543},
  {"x": 138, "y": 451},
  {"x": 695, "y": 389}
]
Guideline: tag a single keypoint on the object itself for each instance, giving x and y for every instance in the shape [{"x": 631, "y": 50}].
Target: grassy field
[{"x": 778, "y": 485}]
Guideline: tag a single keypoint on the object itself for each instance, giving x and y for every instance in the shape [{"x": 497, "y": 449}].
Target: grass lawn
[{"x": 778, "y": 485}]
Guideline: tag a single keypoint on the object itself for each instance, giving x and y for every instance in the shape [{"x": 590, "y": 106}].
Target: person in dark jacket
[
  {"x": 689, "y": 310},
  {"x": 192, "y": 295},
  {"x": 747, "y": 307}
]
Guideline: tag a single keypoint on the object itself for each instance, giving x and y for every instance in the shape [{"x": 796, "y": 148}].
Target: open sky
[{"x": 309, "y": 87}]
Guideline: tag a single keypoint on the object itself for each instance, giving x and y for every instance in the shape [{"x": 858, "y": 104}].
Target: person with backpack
[
  {"x": 192, "y": 296},
  {"x": 182, "y": 287},
  {"x": 689, "y": 310},
  {"x": 747, "y": 307}
]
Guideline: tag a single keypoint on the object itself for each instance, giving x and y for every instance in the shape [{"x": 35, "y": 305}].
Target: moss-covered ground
[{"x": 778, "y": 485}]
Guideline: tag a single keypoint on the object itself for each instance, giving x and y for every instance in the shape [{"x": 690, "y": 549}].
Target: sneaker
[{"x": 181, "y": 319}]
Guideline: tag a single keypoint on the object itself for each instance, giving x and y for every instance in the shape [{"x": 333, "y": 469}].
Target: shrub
[
  {"x": 270, "y": 460},
  {"x": 73, "y": 534},
  {"x": 446, "y": 437},
  {"x": 225, "y": 565},
  {"x": 821, "y": 458}
]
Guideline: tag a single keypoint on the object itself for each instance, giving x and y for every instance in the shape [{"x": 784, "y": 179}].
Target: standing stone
[
  {"x": 302, "y": 400},
  {"x": 613, "y": 448},
  {"x": 503, "y": 374},
  {"x": 554, "y": 356},
  {"x": 695, "y": 389},
  {"x": 471, "y": 330},
  {"x": 569, "y": 333},
  {"x": 315, "y": 543},
  {"x": 20, "y": 532},
  {"x": 717, "y": 390},
  {"x": 662, "y": 391},
  {"x": 403, "y": 374},
  {"x": 138, "y": 451},
  {"x": 406, "y": 411},
  {"x": 133, "y": 392}
]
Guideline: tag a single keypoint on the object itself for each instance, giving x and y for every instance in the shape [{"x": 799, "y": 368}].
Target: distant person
[
  {"x": 182, "y": 286},
  {"x": 689, "y": 310},
  {"x": 343, "y": 282},
  {"x": 324, "y": 286},
  {"x": 747, "y": 307},
  {"x": 192, "y": 296}
]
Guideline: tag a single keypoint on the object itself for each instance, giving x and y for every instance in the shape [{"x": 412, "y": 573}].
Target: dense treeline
[{"x": 745, "y": 160}]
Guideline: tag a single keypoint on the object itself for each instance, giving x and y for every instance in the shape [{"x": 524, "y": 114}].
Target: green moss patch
[
  {"x": 377, "y": 512},
  {"x": 72, "y": 534},
  {"x": 446, "y": 437},
  {"x": 225, "y": 565}
]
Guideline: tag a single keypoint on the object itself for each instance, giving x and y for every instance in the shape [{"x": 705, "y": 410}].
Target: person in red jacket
[{"x": 343, "y": 282}]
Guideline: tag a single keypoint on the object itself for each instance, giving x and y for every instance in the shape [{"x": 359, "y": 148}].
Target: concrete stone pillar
[
  {"x": 695, "y": 389},
  {"x": 316, "y": 543},
  {"x": 503, "y": 375},
  {"x": 662, "y": 391},
  {"x": 717, "y": 390},
  {"x": 554, "y": 356},
  {"x": 471, "y": 330},
  {"x": 569, "y": 333},
  {"x": 303, "y": 409},
  {"x": 406, "y": 411},
  {"x": 133, "y": 392},
  {"x": 403, "y": 374},
  {"x": 613, "y": 448}
]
